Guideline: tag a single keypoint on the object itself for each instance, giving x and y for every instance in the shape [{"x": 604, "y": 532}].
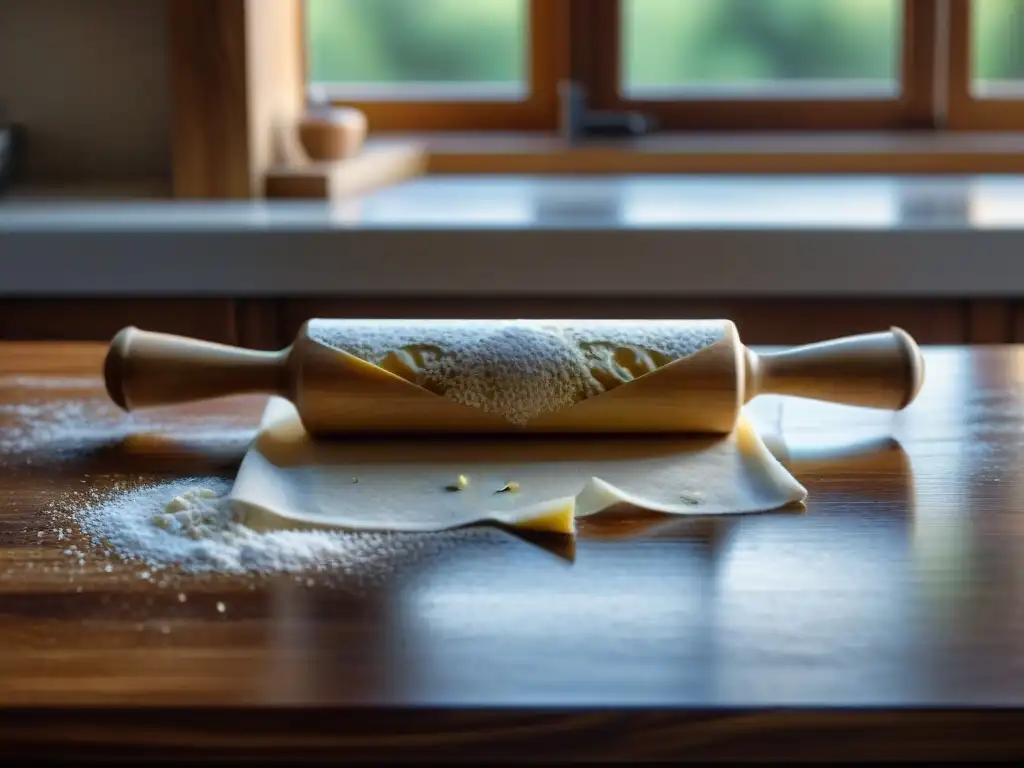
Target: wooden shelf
[
  {"x": 724, "y": 152},
  {"x": 376, "y": 167}
]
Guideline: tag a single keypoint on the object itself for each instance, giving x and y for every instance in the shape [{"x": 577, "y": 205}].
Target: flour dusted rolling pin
[{"x": 349, "y": 376}]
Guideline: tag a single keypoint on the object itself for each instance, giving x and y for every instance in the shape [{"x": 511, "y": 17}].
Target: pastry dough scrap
[{"x": 288, "y": 480}]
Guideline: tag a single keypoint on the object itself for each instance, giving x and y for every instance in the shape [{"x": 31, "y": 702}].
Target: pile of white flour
[
  {"x": 188, "y": 525},
  {"x": 518, "y": 369}
]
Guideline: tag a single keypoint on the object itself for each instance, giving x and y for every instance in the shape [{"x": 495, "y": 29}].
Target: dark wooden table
[{"x": 885, "y": 621}]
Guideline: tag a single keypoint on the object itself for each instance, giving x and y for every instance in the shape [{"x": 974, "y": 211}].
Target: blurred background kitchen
[{"x": 809, "y": 168}]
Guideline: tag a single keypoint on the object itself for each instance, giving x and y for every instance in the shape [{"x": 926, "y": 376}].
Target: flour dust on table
[{"x": 58, "y": 429}]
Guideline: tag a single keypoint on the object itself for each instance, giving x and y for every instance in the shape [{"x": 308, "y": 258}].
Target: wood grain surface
[{"x": 886, "y": 620}]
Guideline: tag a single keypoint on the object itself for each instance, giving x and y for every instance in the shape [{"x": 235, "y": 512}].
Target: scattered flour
[
  {"x": 184, "y": 526},
  {"x": 49, "y": 382},
  {"x": 57, "y": 428},
  {"x": 518, "y": 369},
  {"x": 64, "y": 424},
  {"x": 188, "y": 526}
]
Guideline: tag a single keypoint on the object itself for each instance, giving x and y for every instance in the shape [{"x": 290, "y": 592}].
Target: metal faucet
[{"x": 580, "y": 122}]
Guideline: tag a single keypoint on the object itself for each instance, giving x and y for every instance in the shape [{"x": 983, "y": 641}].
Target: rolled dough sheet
[{"x": 288, "y": 480}]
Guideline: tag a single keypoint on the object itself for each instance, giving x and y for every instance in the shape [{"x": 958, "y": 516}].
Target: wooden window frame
[
  {"x": 913, "y": 108},
  {"x": 581, "y": 40},
  {"x": 547, "y": 58}
]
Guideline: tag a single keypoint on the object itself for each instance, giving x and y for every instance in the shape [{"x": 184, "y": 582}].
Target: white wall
[{"x": 89, "y": 79}]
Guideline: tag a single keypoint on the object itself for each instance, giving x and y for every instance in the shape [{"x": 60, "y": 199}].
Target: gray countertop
[{"x": 655, "y": 235}]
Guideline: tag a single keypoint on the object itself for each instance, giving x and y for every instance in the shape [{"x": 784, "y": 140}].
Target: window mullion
[{"x": 925, "y": 74}]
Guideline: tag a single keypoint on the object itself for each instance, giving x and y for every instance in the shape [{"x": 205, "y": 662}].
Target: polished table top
[{"x": 900, "y": 587}]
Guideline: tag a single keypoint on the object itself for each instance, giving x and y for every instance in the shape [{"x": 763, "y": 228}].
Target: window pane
[
  {"x": 764, "y": 48},
  {"x": 406, "y": 43},
  {"x": 998, "y": 46}
]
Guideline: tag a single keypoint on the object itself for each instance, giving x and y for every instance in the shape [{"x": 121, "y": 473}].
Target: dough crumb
[
  {"x": 460, "y": 484},
  {"x": 692, "y": 497}
]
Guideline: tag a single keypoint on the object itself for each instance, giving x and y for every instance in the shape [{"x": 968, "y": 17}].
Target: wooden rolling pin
[{"x": 336, "y": 392}]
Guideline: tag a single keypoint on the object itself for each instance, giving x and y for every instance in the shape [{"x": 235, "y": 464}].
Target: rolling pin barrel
[{"x": 336, "y": 392}]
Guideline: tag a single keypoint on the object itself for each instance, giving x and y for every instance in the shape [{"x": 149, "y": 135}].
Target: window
[
  {"x": 771, "y": 47},
  {"x": 771, "y": 64},
  {"x": 705, "y": 65},
  {"x": 986, "y": 64},
  {"x": 997, "y": 58},
  {"x": 437, "y": 64}
]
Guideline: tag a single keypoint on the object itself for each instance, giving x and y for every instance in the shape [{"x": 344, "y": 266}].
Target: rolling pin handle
[
  {"x": 874, "y": 370},
  {"x": 144, "y": 369}
]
